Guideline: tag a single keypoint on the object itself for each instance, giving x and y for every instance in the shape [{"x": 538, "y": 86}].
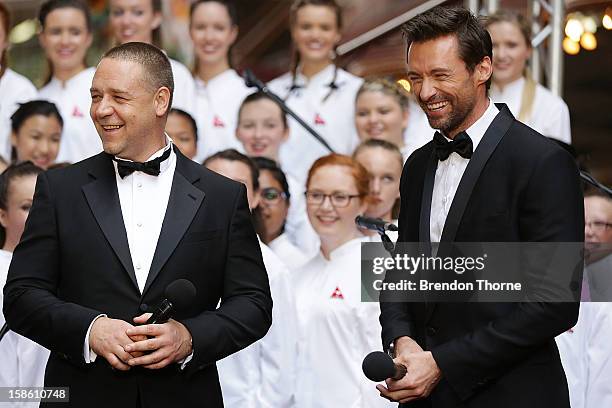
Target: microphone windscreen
[
  {"x": 181, "y": 293},
  {"x": 378, "y": 366}
]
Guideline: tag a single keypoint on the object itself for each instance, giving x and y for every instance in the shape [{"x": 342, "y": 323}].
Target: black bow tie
[
  {"x": 461, "y": 144},
  {"x": 125, "y": 168}
]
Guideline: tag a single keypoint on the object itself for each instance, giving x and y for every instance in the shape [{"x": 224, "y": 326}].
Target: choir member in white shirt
[
  {"x": 528, "y": 101},
  {"x": 14, "y": 88},
  {"x": 183, "y": 130},
  {"x": 262, "y": 129},
  {"x": 140, "y": 20},
  {"x": 382, "y": 111},
  {"x": 23, "y": 361},
  {"x": 335, "y": 329},
  {"x": 585, "y": 349},
  {"x": 384, "y": 162},
  {"x": 321, "y": 93},
  {"x": 36, "y": 133},
  {"x": 65, "y": 37},
  {"x": 271, "y": 214},
  {"x": 219, "y": 90},
  {"x": 263, "y": 374}
]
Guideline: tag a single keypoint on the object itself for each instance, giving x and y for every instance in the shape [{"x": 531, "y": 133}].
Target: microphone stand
[
  {"x": 591, "y": 180},
  {"x": 387, "y": 243},
  {"x": 5, "y": 329},
  {"x": 252, "y": 81}
]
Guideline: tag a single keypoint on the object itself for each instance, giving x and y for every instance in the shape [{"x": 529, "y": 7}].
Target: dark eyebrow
[{"x": 412, "y": 73}]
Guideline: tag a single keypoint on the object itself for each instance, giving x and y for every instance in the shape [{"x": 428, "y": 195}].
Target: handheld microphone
[
  {"x": 378, "y": 366},
  {"x": 375, "y": 224},
  {"x": 178, "y": 295}
]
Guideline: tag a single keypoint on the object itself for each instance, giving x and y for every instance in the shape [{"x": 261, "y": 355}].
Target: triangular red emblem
[
  {"x": 337, "y": 294},
  {"x": 319, "y": 120},
  {"x": 217, "y": 122},
  {"x": 77, "y": 113}
]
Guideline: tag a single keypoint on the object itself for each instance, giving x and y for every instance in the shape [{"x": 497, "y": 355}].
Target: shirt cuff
[
  {"x": 88, "y": 354},
  {"x": 185, "y": 361}
]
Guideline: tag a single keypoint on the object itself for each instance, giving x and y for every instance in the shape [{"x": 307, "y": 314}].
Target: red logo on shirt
[
  {"x": 217, "y": 122},
  {"x": 77, "y": 113},
  {"x": 319, "y": 120},
  {"x": 337, "y": 294}
]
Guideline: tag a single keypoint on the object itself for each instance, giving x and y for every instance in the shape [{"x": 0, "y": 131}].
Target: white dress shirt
[
  {"x": 335, "y": 332},
  {"x": 14, "y": 89},
  {"x": 449, "y": 173},
  {"x": 587, "y": 356},
  {"x": 184, "y": 89},
  {"x": 263, "y": 374},
  {"x": 217, "y": 105},
  {"x": 549, "y": 113},
  {"x": 333, "y": 119},
  {"x": 22, "y": 361},
  {"x": 288, "y": 253},
  {"x": 80, "y": 139},
  {"x": 143, "y": 199}
]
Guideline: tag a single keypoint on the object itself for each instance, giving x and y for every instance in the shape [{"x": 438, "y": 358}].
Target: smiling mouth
[
  {"x": 436, "y": 106},
  {"x": 111, "y": 127}
]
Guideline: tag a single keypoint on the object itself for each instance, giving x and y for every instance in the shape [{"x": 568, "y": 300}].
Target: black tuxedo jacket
[
  {"x": 73, "y": 263},
  {"x": 517, "y": 187}
]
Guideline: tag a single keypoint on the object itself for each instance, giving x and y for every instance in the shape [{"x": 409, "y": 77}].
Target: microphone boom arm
[{"x": 253, "y": 82}]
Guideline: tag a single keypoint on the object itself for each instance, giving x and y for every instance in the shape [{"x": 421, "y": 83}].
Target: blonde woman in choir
[
  {"x": 320, "y": 92},
  {"x": 528, "y": 101},
  {"x": 384, "y": 162},
  {"x": 14, "y": 88},
  {"x": 140, "y": 21},
  {"x": 219, "y": 89},
  {"x": 383, "y": 111},
  {"x": 335, "y": 329},
  {"x": 23, "y": 361},
  {"x": 65, "y": 37}
]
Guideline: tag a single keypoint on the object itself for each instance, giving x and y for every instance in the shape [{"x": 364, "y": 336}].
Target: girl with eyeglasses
[
  {"x": 65, "y": 37},
  {"x": 140, "y": 21},
  {"x": 320, "y": 92},
  {"x": 14, "y": 88},
  {"x": 23, "y": 361},
  {"x": 336, "y": 330},
  {"x": 271, "y": 213},
  {"x": 528, "y": 101}
]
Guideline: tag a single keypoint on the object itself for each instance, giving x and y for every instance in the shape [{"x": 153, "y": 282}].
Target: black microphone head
[
  {"x": 181, "y": 293},
  {"x": 378, "y": 366}
]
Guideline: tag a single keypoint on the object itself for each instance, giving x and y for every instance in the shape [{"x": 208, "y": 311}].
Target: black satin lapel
[
  {"x": 184, "y": 202},
  {"x": 103, "y": 199},
  {"x": 424, "y": 220},
  {"x": 486, "y": 147}
]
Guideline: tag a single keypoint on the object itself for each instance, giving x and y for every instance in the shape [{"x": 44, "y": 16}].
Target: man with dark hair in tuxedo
[
  {"x": 485, "y": 177},
  {"x": 106, "y": 236}
]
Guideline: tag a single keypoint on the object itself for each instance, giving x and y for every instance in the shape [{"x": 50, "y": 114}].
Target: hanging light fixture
[
  {"x": 574, "y": 29},
  {"x": 588, "y": 41},
  {"x": 570, "y": 46}
]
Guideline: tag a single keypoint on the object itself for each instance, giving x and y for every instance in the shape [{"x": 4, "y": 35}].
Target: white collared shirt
[
  {"x": 333, "y": 119},
  {"x": 80, "y": 139},
  {"x": 183, "y": 96},
  {"x": 263, "y": 374},
  {"x": 335, "y": 331},
  {"x": 14, "y": 89},
  {"x": 144, "y": 199},
  {"x": 449, "y": 173},
  {"x": 549, "y": 114},
  {"x": 217, "y": 105}
]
